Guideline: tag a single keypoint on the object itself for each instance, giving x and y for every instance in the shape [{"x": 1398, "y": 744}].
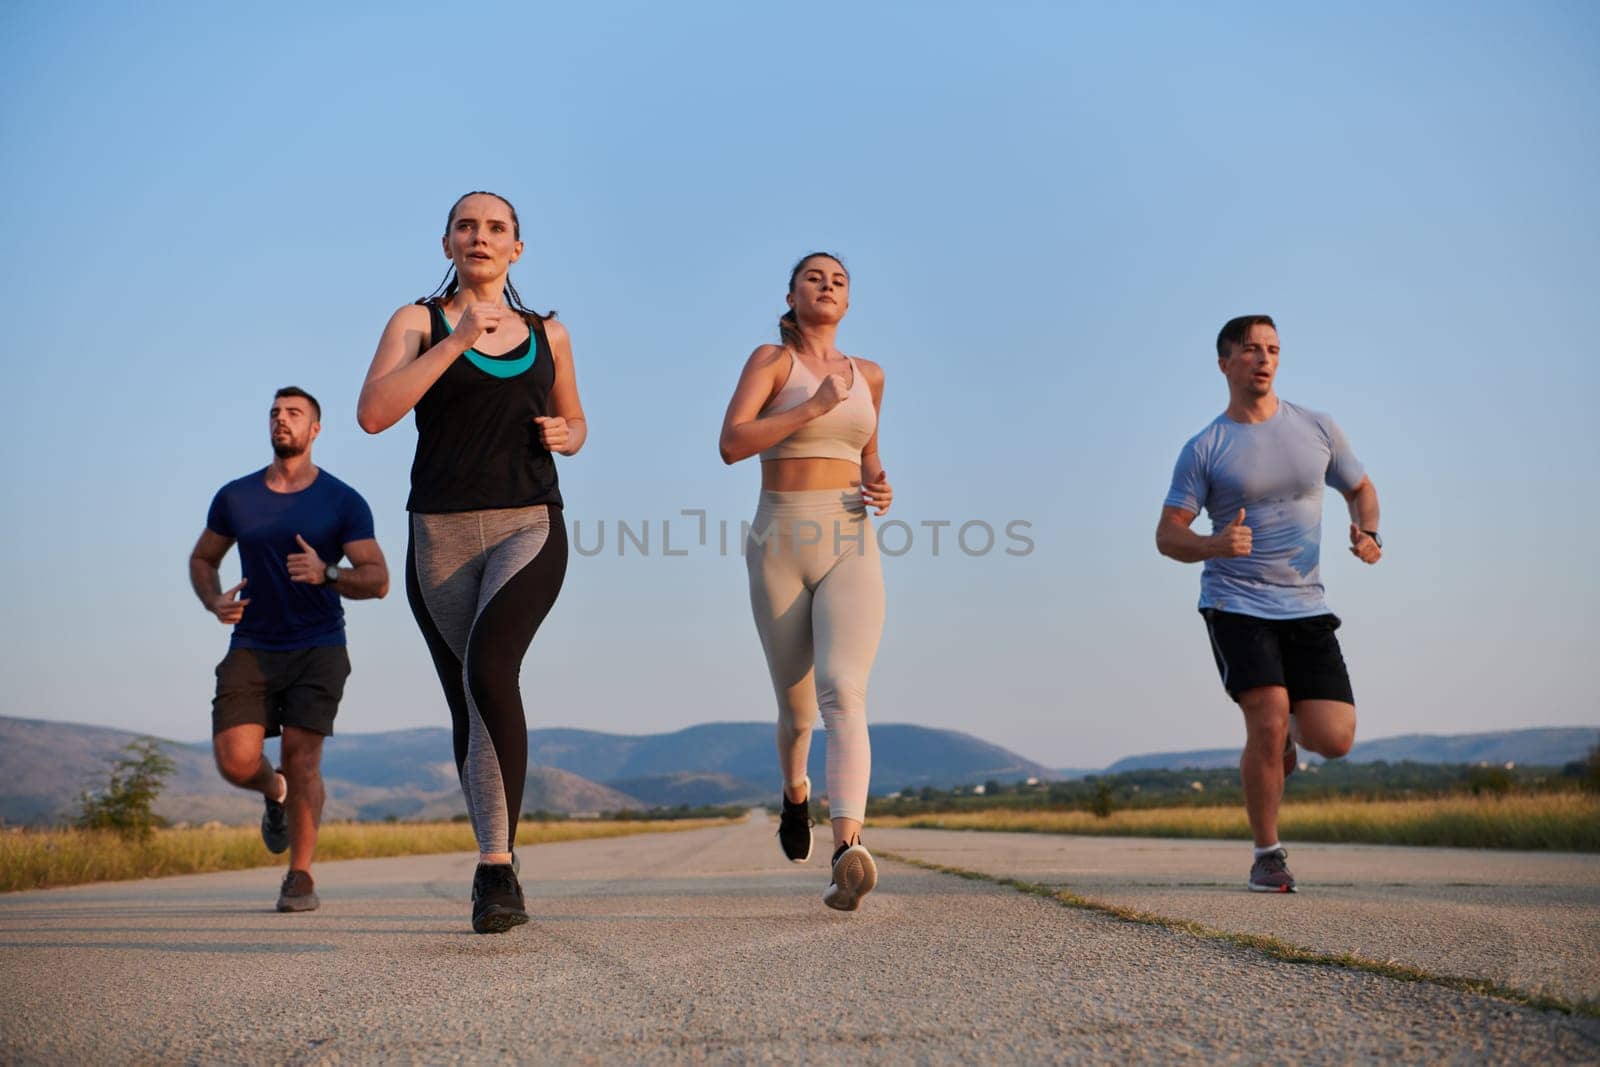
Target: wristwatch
[
  {"x": 1375, "y": 538},
  {"x": 332, "y": 573}
]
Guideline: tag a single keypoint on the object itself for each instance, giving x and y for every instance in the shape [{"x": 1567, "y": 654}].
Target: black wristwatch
[
  {"x": 332, "y": 573},
  {"x": 1375, "y": 538}
]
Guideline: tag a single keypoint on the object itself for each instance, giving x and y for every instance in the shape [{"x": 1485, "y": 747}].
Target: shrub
[
  {"x": 136, "y": 781},
  {"x": 1496, "y": 781},
  {"x": 1102, "y": 803}
]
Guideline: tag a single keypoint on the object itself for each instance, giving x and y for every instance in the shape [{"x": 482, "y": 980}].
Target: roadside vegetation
[
  {"x": 117, "y": 836},
  {"x": 41, "y": 859},
  {"x": 1568, "y": 822},
  {"x": 124, "y": 805},
  {"x": 1377, "y": 803}
]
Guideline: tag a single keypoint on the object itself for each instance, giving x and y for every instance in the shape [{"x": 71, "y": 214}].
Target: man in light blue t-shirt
[{"x": 1258, "y": 471}]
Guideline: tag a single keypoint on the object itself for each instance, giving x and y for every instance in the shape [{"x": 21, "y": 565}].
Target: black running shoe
[
  {"x": 516, "y": 868},
  {"x": 299, "y": 892},
  {"x": 794, "y": 827},
  {"x": 496, "y": 899},
  {"x": 854, "y": 875},
  {"x": 275, "y": 825},
  {"x": 1270, "y": 873}
]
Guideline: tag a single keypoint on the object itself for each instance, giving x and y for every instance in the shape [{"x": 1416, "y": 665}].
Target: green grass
[
  {"x": 1272, "y": 947},
  {"x": 41, "y": 859},
  {"x": 1568, "y": 822}
]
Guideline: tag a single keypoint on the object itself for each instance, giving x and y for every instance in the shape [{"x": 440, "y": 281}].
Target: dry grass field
[
  {"x": 40, "y": 859},
  {"x": 1567, "y": 822}
]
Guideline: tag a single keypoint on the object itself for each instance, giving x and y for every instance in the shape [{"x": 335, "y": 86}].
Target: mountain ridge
[
  {"x": 1540, "y": 746},
  {"x": 410, "y": 773}
]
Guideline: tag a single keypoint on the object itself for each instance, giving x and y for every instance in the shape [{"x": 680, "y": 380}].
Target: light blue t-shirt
[{"x": 1275, "y": 470}]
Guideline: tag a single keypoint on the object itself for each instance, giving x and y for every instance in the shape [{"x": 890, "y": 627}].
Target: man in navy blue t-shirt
[
  {"x": 286, "y": 665},
  {"x": 1258, "y": 469}
]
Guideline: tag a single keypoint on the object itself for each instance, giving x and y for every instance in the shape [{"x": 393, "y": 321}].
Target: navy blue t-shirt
[{"x": 282, "y": 614}]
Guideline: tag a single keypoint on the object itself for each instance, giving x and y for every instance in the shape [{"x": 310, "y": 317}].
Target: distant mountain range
[
  {"x": 1539, "y": 747},
  {"x": 410, "y": 774},
  {"x": 44, "y": 766}
]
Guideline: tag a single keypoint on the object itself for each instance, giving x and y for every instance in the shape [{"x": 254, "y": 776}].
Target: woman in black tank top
[{"x": 492, "y": 386}]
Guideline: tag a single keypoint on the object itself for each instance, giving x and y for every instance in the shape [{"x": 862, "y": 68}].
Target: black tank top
[{"x": 477, "y": 444}]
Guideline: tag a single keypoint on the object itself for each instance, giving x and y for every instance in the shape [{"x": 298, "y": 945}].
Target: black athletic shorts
[
  {"x": 300, "y": 688},
  {"x": 1302, "y": 655}
]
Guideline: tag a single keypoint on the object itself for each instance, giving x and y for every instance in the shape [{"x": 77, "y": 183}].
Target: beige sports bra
[{"x": 840, "y": 434}]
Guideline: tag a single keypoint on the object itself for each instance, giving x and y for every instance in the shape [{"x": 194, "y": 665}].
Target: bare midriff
[{"x": 798, "y": 475}]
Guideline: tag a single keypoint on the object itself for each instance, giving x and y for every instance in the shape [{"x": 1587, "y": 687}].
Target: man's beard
[{"x": 288, "y": 449}]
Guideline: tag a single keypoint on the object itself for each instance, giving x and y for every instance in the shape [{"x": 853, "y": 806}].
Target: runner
[
  {"x": 286, "y": 664},
  {"x": 492, "y": 385},
  {"x": 816, "y": 583},
  {"x": 1258, "y": 470}
]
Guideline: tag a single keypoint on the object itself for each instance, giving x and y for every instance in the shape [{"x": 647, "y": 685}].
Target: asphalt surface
[
  {"x": 1528, "y": 920},
  {"x": 700, "y": 946}
]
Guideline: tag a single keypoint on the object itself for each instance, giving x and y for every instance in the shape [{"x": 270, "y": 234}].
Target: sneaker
[
  {"x": 299, "y": 892},
  {"x": 794, "y": 827},
  {"x": 1270, "y": 874},
  {"x": 1291, "y": 757},
  {"x": 496, "y": 899},
  {"x": 516, "y": 868},
  {"x": 275, "y": 825},
  {"x": 854, "y": 875}
]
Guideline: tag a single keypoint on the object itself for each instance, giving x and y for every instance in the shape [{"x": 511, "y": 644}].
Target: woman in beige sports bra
[{"x": 816, "y": 586}]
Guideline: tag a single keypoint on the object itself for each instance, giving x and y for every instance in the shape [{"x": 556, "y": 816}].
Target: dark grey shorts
[{"x": 299, "y": 688}]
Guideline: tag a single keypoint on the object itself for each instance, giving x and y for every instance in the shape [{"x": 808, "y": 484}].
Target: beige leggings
[{"x": 816, "y": 588}]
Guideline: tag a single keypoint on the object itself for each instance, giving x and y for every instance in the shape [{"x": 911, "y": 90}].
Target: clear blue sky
[{"x": 1048, "y": 210}]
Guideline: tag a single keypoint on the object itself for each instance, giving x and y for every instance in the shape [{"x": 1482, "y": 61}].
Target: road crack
[{"x": 1272, "y": 947}]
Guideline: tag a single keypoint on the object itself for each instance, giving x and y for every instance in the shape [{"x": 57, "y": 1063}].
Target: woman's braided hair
[{"x": 448, "y": 287}]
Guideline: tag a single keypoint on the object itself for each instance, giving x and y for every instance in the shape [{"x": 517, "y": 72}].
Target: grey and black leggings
[{"x": 480, "y": 583}]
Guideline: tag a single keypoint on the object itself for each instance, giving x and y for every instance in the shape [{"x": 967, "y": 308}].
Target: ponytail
[{"x": 789, "y": 329}]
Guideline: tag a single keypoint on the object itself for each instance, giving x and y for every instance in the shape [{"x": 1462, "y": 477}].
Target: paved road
[
  {"x": 1529, "y": 920},
  {"x": 695, "y": 946}
]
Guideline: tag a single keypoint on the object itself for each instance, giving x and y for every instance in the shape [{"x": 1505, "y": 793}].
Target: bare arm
[
  {"x": 1363, "y": 502},
  {"x": 401, "y": 372},
  {"x": 368, "y": 579},
  {"x": 876, "y": 492},
  {"x": 745, "y": 431},
  {"x": 1175, "y": 540},
  {"x": 206, "y": 582},
  {"x": 565, "y": 429}
]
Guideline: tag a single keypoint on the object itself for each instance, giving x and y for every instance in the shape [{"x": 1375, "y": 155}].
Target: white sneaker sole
[
  {"x": 798, "y": 859},
  {"x": 854, "y": 876}
]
